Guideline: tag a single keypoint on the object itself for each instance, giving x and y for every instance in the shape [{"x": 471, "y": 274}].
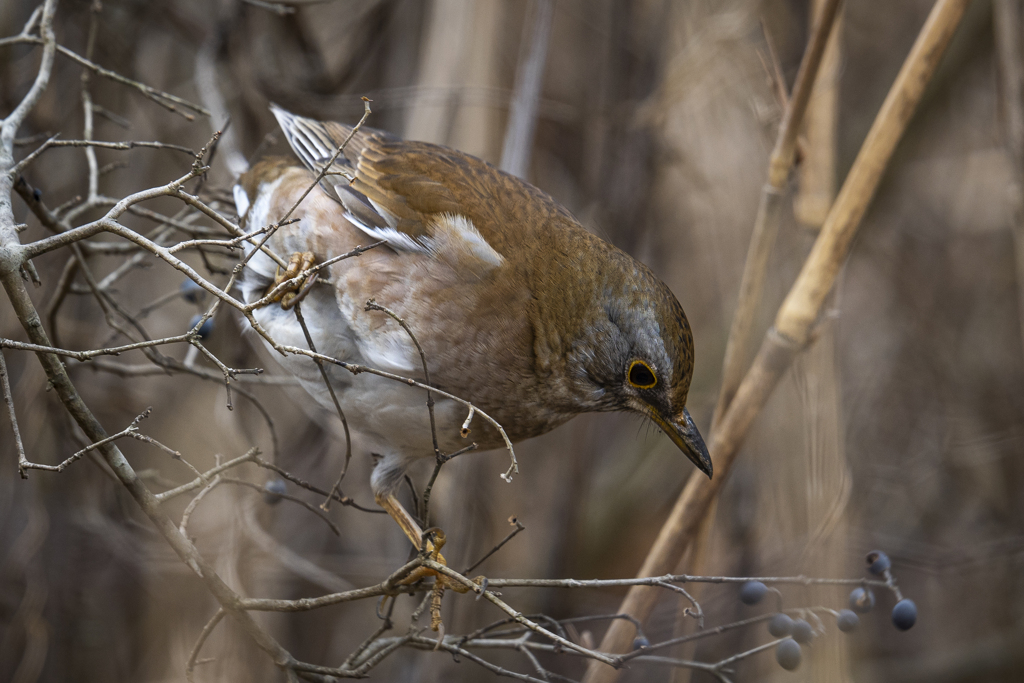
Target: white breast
[{"x": 389, "y": 417}]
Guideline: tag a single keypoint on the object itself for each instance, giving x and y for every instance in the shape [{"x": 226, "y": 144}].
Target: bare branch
[
  {"x": 512, "y": 534},
  {"x": 129, "y": 431},
  {"x": 390, "y": 586},
  {"x": 337, "y": 406},
  {"x": 518, "y": 617},
  {"x": 312, "y": 508},
  {"x": 337, "y": 495},
  {"x": 192, "y": 504},
  {"x": 205, "y": 477},
  {"x": 207, "y": 630},
  {"x": 13, "y": 121},
  {"x": 23, "y": 463}
]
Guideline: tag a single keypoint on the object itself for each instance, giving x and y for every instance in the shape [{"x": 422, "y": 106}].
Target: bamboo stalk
[{"x": 793, "y": 325}]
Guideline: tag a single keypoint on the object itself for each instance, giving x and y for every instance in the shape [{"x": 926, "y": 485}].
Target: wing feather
[{"x": 397, "y": 190}]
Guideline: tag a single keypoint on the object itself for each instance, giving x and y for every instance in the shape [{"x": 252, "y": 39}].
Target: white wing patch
[
  {"x": 454, "y": 240},
  {"x": 396, "y": 239},
  {"x": 457, "y": 234},
  {"x": 241, "y": 200}
]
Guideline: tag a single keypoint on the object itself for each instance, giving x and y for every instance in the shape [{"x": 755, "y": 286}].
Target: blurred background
[{"x": 902, "y": 428}]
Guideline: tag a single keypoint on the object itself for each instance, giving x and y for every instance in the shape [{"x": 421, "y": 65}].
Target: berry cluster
[{"x": 795, "y": 632}]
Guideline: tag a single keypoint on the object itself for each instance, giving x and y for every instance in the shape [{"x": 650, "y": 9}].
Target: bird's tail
[{"x": 314, "y": 142}]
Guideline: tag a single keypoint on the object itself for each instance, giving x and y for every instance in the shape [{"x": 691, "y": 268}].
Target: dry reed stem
[
  {"x": 762, "y": 239},
  {"x": 1006, "y": 20},
  {"x": 785, "y": 144},
  {"x": 522, "y": 118},
  {"x": 803, "y": 304},
  {"x": 769, "y": 213},
  {"x": 817, "y": 172},
  {"x": 793, "y": 325}
]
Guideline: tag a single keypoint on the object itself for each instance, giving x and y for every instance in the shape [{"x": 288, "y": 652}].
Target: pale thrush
[{"x": 518, "y": 308}]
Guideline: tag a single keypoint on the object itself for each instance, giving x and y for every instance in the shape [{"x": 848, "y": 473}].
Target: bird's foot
[
  {"x": 433, "y": 540},
  {"x": 286, "y": 288},
  {"x": 429, "y": 543}
]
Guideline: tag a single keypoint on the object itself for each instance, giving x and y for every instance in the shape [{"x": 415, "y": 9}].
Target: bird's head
[{"x": 640, "y": 356}]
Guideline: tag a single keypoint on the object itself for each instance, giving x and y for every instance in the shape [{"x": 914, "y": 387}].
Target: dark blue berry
[
  {"x": 640, "y": 643},
  {"x": 847, "y": 620},
  {"x": 787, "y": 654},
  {"x": 205, "y": 329},
  {"x": 878, "y": 562},
  {"x": 190, "y": 291},
  {"x": 904, "y": 614},
  {"x": 37, "y": 194},
  {"x": 781, "y": 625},
  {"x": 862, "y": 600},
  {"x": 751, "y": 592},
  {"x": 272, "y": 491},
  {"x": 802, "y": 632}
]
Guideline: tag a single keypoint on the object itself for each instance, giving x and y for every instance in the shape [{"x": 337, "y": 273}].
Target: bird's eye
[{"x": 640, "y": 375}]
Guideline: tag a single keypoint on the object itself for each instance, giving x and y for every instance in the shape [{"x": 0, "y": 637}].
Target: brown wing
[{"x": 385, "y": 182}]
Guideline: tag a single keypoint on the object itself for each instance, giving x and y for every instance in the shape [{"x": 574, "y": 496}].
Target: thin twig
[
  {"x": 129, "y": 431},
  {"x": 698, "y": 614},
  {"x": 330, "y": 162},
  {"x": 438, "y": 463},
  {"x": 207, "y": 630},
  {"x": 192, "y": 504},
  {"x": 338, "y": 496},
  {"x": 312, "y": 508},
  {"x": 103, "y": 144},
  {"x": 337, "y": 406},
  {"x": 372, "y": 305},
  {"x": 517, "y": 616},
  {"x": 682, "y": 578},
  {"x": 390, "y": 586},
  {"x": 385, "y": 626},
  {"x": 512, "y": 534},
  {"x": 23, "y": 463},
  {"x": 251, "y": 454}
]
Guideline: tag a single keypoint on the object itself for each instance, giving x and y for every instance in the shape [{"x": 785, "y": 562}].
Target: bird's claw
[
  {"x": 433, "y": 540},
  {"x": 288, "y": 290}
]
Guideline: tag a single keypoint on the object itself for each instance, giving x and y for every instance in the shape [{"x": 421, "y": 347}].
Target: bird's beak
[{"x": 684, "y": 434}]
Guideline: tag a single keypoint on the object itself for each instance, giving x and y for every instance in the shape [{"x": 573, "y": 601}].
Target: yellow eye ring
[{"x": 641, "y": 376}]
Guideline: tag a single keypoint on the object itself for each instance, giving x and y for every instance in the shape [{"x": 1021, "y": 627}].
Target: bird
[{"x": 517, "y": 307}]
